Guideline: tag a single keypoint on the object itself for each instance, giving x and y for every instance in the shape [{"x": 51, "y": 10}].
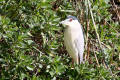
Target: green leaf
[{"x": 30, "y": 68}]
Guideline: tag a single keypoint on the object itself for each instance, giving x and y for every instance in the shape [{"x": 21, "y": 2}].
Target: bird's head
[{"x": 70, "y": 21}]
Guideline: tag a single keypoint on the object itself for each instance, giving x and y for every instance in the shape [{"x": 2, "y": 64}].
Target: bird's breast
[
  {"x": 69, "y": 38},
  {"x": 72, "y": 33}
]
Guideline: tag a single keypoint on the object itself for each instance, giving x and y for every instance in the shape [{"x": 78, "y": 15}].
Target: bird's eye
[{"x": 70, "y": 19}]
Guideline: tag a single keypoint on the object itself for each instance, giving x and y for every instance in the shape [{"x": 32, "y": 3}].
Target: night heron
[{"x": 74, "y": 38}]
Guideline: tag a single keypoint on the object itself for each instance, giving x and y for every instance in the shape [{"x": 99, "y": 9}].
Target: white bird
[{"x": 74, "y": 38}]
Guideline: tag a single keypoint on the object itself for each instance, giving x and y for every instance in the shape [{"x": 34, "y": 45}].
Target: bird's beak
[{"x": 62, "y": 22}]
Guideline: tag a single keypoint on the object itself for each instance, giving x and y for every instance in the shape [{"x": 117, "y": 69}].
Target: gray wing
[{"x": 79, "y": 44}]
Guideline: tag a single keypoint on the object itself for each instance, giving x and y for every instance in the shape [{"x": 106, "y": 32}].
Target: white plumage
[{"x": 73, "y": 38}]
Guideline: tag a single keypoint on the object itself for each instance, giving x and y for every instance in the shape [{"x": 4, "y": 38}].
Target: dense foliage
[{"x": 31, "y": 40}]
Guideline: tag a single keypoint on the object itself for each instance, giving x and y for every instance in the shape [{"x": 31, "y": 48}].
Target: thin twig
[
  {"x": 71, "y": 11},
  {"x": 94, "y": 24},
  {"x": 88, "y": 49},
  {"x": 97, "y": 33},
  {"x": 117, "y": 13},
  {"x": 96, "y": 59},
  {"x": 108, "y": 22}
]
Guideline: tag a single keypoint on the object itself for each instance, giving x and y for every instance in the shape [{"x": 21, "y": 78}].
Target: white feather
[{"x": 74, "y": 40}]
